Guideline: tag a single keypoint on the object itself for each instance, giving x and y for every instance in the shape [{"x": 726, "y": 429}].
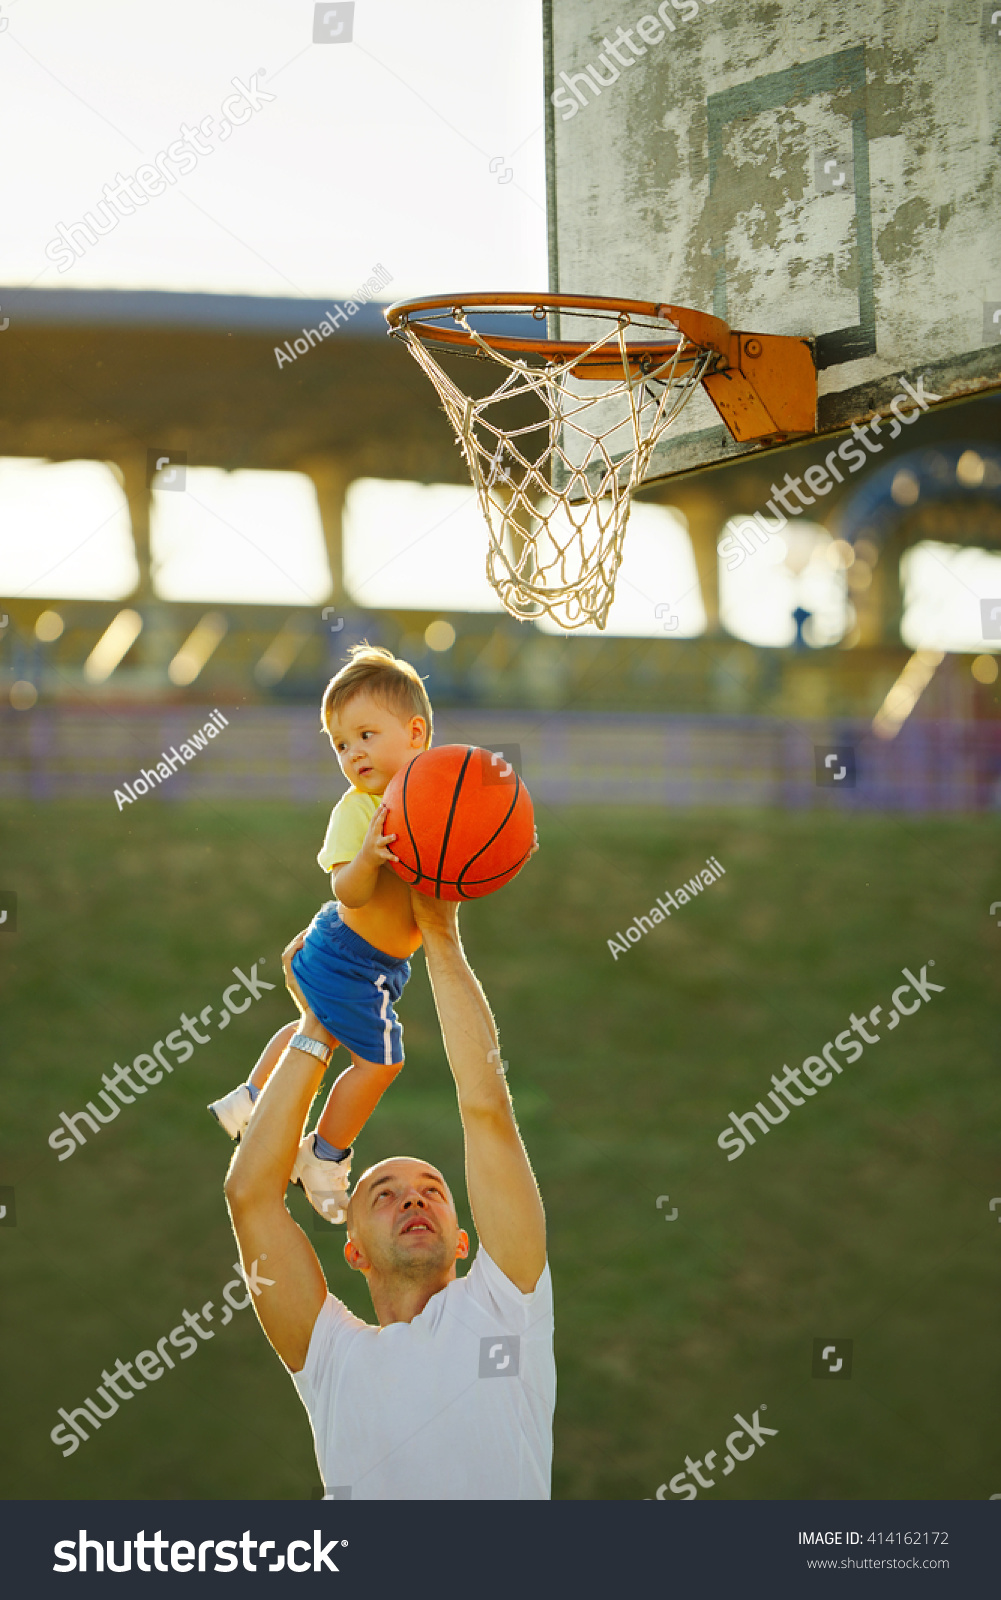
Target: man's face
[
  {"x": 402, "y": 1223},
  {"x": 372, "y": 743}
]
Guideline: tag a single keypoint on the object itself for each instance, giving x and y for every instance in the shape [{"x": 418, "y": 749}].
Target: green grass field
[{"x": 865, "y": 1215}]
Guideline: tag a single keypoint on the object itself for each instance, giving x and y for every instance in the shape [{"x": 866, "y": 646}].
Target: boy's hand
[
  {"x": 535, "y": 843},
  {"x": 355, "y": 882},
  {"x": 375, "y": 847}
]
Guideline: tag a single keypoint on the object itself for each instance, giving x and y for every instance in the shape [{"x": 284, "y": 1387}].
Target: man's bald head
[
  {"x": 403, "y": 1227},
  {"x": 392, "y": 1169}
]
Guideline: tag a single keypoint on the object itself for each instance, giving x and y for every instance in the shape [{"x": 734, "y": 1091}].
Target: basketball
[{"x": 463, "y": 821}]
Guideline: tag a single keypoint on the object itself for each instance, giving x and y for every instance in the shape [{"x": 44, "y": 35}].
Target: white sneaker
[
  {"x": 233, "y": 1111},
  {"x": 324, "y": 1183}
]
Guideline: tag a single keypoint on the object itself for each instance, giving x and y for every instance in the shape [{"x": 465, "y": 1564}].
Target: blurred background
[{"x": 197, "y": 513}]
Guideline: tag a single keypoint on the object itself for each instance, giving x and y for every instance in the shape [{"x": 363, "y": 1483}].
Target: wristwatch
[{"x": 312, "y": 1047}]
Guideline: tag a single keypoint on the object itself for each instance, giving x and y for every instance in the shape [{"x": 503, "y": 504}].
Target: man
[{"x": 451, "y": 1397}]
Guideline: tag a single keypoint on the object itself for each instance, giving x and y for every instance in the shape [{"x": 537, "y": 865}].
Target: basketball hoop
[{"x": 555, "y": 493}]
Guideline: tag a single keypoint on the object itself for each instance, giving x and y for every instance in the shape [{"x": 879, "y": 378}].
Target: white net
[{"x": 555, "y": 493}]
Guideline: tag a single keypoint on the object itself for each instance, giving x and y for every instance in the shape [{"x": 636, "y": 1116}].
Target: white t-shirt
[{"x": 456, "y": 1405}]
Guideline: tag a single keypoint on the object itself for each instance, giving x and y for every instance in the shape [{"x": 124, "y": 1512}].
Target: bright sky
[
  {"x": 657, "y": 586},
  {"x": 416, "y": 546},
  {"x": 64, "y": 531},
  {"x": 424, "y": 547},
  {"x": 943, "y": 585},
  {"x": 240, "y": 536},
  {"x": 757, "y": 599},
  {"x": 377, "y": 150}
]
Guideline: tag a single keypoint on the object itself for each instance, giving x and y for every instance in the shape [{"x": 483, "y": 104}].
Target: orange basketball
[{"x": 463, "y": 821}]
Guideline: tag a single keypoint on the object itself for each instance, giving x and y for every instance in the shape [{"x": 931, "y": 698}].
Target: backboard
[{"x": 794, "y": 167}]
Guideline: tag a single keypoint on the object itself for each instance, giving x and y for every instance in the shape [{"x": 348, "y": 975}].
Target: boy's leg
[
  {"x": 323, "y": 1166},
  {"x": 353, "y": 1098},
  {"x": 234, "y": 1110},
  {"x": 271, "y": 1055}
]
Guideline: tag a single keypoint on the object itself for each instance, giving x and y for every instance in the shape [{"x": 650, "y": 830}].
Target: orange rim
[{"x": 704, "y": 332}]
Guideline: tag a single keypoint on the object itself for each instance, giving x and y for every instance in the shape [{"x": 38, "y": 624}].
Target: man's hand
[
  {"x": 291, "y": 982},
  {"x": 433, "y": 915},
  {"x": 308, "y": 1023}
]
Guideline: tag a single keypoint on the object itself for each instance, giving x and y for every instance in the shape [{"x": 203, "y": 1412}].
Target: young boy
[{"x": 355, "y": 960}]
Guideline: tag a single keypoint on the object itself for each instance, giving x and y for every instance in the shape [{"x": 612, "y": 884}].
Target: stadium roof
[
  {"x": 162, "y": 308},
  {"x": 210, "y": 313},
  {"x": 108, "y": 373}
]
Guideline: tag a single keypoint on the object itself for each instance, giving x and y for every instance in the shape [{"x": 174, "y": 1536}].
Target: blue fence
[{"x": 582, "y": 758}]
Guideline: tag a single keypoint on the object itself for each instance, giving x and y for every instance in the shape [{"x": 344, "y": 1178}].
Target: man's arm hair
[
  {"x": 269, "y": 1238},
  {"x": 503, "y": 1194}
]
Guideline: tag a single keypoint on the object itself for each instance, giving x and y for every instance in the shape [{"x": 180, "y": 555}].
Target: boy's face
[{"x": 372, "y": 743}]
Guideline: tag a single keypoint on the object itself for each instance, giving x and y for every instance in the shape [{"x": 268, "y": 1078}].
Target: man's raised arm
[
  {"x": 288, "y": 1282},
  {"x": 503, "y": 1195}
]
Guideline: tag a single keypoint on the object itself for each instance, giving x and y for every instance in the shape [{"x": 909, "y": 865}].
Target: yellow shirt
[{"x": 348, "y": 825}]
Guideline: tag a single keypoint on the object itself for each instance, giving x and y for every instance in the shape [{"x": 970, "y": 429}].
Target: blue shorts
[{"x": 352, "y": 987}]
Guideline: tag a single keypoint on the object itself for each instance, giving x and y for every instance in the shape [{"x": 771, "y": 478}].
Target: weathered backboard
[{"x": 795, "y": 167}]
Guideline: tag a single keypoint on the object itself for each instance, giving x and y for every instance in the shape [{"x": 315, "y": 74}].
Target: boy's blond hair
[{"x": 379, "y": 673}]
